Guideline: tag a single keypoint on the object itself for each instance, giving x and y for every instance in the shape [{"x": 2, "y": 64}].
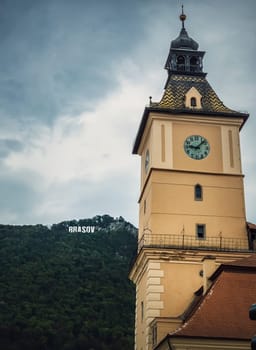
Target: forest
[{"x": 68, "y": 291}]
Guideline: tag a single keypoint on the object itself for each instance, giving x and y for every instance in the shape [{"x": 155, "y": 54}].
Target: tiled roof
[
  {"x": 173, "y": 102},
  {"x": 179, "y": 85},
  {"x": 224, "y": 310}
]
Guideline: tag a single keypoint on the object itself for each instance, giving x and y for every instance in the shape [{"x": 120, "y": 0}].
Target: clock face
[
  {"x": 147, "y": 161},
  {"x": 196, "y": 147}
]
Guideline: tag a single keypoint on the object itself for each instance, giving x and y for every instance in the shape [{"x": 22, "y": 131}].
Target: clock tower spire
[
  {"x": 191, "y": 204},
  {"x": 184, "y": 56}
]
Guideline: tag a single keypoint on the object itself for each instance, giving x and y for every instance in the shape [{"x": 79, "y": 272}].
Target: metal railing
[{"x": 191, "y": 242}]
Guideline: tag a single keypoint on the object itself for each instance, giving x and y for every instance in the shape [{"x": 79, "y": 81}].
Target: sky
[{"x": 75, "y": 77}]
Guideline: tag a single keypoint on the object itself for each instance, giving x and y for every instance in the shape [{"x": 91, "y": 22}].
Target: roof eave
[
  {"x": 147, "y": 110},
  {"x": 141, "y": 129},
  {"x": 206, "y": 337}
]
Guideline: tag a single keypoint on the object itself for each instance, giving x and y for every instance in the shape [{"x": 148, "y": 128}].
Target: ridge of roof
[{"x": 181, "y": 111}]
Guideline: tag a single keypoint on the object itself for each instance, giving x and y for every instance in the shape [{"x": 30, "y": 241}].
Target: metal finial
[
  {"x": 182, "y": 16},
  {"x": 150, "y": 100}
]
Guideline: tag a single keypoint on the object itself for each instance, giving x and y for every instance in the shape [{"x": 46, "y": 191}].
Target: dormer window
[{"x": 193, "y": 98}]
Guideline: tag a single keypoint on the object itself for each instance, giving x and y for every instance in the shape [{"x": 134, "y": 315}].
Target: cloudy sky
[{"x": 75, "y": 77}]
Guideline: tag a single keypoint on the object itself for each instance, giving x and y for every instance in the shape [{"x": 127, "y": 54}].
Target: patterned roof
[
  {"x": 177, "y": 87},
  {"x": 173, "y": 101}
]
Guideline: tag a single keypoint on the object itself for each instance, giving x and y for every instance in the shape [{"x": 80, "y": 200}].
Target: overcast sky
[{"x": 75, "y": 77}]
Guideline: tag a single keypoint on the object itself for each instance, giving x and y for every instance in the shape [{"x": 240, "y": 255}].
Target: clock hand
[
  {"x": 201, "y": 143},
  {"x": 198, "y": 146}
]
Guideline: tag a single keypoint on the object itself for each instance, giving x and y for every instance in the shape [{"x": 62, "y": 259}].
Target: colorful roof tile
[{"x": 177, "y": 87}]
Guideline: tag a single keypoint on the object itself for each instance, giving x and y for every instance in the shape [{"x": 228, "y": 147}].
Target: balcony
[{"x": 191, "y": 242}]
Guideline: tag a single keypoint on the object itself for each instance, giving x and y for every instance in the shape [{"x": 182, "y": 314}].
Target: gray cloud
[
  {"x": 97, "y": 59},
  {"x": 18, "y": 199},
  {"x": 60, "y": 56},
  {"x": 9, "y": 145}
]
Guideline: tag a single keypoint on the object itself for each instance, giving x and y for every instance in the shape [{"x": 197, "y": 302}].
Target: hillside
[{"x": 68, "y": 291}]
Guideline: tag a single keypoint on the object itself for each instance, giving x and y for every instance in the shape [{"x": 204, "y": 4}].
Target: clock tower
[{"x": 191, "y": 204}]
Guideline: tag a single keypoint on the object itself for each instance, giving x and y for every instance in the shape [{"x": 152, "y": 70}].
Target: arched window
[
  {"x": 181, "y": 63},
  {"x": 193, "y": 102},
  {"x": 194, "y": 62},
  {"x": 198, "y": 192}
]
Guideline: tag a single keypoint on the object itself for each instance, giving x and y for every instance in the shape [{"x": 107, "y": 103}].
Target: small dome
[{"x": 184, "y": 41}]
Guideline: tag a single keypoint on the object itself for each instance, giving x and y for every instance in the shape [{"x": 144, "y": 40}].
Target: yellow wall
[
  {"x": 164, "y": 137},
  {"x": 140, "y": 324},
  {"x": 181, "y": 280},
  {"x": 149, "y": 289},
  {"x": 171, "y": 207},
  {"x": 167, "y": 279},
  {"x": 167, "y": 204}
]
